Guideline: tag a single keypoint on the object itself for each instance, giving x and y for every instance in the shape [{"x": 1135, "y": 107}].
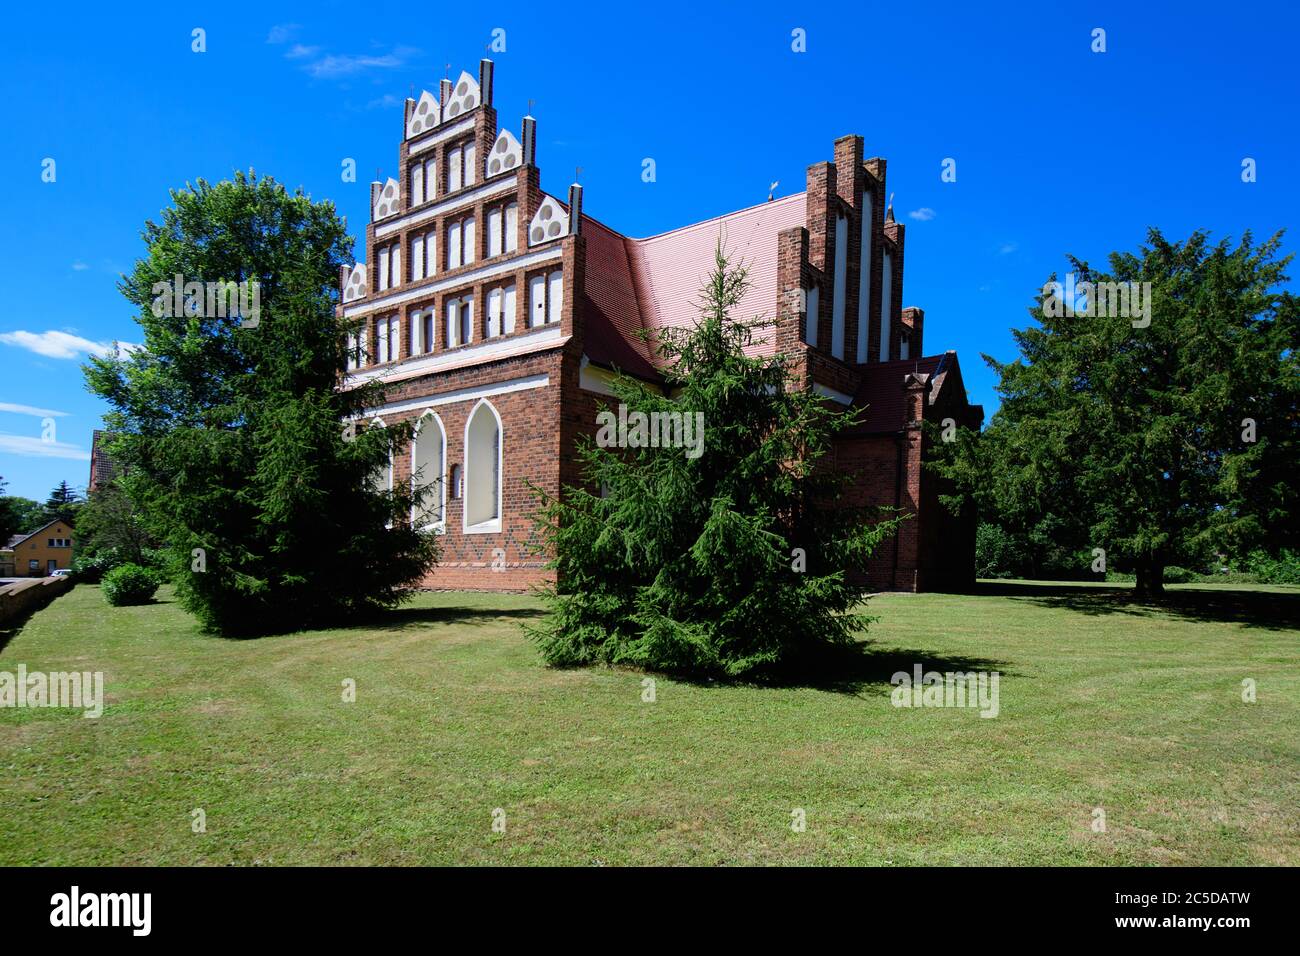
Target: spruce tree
[
  {"x": 737, "y": 557},
  {"x": 246, "y": 458}
]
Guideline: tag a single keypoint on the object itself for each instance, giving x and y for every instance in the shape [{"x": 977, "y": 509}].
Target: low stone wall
[{"x": 19, "y": 600}]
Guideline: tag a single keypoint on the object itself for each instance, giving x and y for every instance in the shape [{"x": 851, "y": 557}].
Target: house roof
[
  {"x": 20, "y": 538},
  {"x": 882, "y": 390},
  {"x": 637, "y": 287}
]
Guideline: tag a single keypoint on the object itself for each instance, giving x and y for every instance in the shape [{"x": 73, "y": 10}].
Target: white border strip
[
  {"x": 483, "y": 272},
  {"x": 497, "y": 348},
  {"x": 453, "y": 201},
  {"x": 439, "y": 134},
  {"x": 541, "y": 380}
]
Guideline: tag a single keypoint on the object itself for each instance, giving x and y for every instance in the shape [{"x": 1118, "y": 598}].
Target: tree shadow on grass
[
  {"x": 1271, "y": 610},
  {"x": 852, "y": 670}
]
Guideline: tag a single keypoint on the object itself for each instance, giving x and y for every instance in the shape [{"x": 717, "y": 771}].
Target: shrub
[
  {"x": 1176, "y": 575},
  {"x": 1282, "y": 569},
  {"x": 995, "y": 552},
  {"x": 130, "y": 584}
]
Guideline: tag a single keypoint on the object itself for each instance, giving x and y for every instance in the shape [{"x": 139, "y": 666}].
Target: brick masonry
[{"x": 533, "y": 376}]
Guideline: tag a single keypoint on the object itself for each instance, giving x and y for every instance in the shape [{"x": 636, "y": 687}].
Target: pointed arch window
[
  {"x": 428, "y": 464},
  {"x": 483, "y": 445}
]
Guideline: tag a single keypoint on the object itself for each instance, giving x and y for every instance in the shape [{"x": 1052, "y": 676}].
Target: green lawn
[{"x": 1103, "y": 704}]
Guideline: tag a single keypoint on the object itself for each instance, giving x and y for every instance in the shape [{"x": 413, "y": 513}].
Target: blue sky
[{"x": 1059, "y": 150}]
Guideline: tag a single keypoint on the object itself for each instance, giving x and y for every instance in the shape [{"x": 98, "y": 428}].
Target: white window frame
[
  {"x": 438, "y": 526},
  {"x": 491, "y": 525}
]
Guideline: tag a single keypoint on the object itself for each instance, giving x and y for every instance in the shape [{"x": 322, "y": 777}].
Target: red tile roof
[{"x": 654, "y": 283}]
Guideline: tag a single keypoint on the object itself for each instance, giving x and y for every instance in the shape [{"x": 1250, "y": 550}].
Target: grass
[{"x": 1104, "y": 703}]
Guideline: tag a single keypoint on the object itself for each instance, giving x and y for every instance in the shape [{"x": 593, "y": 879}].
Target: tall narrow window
[
  {"x": 536, "y": 301},
  {"x": 813, "y": 300},
  {"x": 394, "y": 338},
  {"x": 428, "y": 454},
  {"x": 466, "y": 321},
  {"x": 886, "y": 306},
  {"x": 483, "y": 444},
  {"x": 427, "y": 324},
  {"x": 554, "y": 296},
  {"x": 494, "y": 232},
  {"x": 454, "y": 159},
  {"x": 840, "y": 291},
  {"x": 864, "y": 282},
  {"x": 382, "y": 330},
  {"x": 417, "y": 184},
  {"x": 512, "y": 227},
  {"x": 383, "y": 268},
  {"x": 471, "y": 164},
  {"x": 430, "y": 180},
  {"x": 470, "y": 252},
  {"x": 352, "y": 352},
  {"x": 396, "y": 251},
  {"x": 453, "y": 246},
  {"x": 417, "y": 258},
  {"x": 416, "y": 332},
  {"x": 508, "y": 310},
  {"x": 494, "y": 298}
]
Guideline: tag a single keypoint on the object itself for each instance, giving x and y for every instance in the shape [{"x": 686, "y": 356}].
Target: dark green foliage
[
  {"x": 688, "y": 564},
  {"x": 130, "y": 584},
  {"x": 1284, "y": 568},
  {"x": 64, "y": 503},
  {"x": 996, "y": 555},
  {"x": 231, "y": 435},
  {"x": 1134, "y": 439}
]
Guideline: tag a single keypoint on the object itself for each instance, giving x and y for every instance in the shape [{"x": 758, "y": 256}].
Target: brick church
[{"x": 496, "y": 314}]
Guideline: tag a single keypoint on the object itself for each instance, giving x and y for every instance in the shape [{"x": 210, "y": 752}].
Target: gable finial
[
  {"x": 771, "y": 190},
  {"x": 889, "y": 211}
]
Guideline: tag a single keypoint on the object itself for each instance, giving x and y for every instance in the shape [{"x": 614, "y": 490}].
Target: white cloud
[
  {"x": 298, "y": 51},
  {"x": 31, "y": 447},
  {"x": 387, "y": 101},
  {"x": 280, "y": 33},
  {"x": 328, "y": 67},
  {"x": 1007, "y": 248},
  {"x": 30, "y": 410},
  {"x": 924, "y": 214},
  {"x": 60, "y": 345},
  {"x": 79, "y": 267}
]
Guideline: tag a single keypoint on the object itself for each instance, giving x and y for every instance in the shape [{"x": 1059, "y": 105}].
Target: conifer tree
[
  {"x": 248, "y": 462},
  {"x": 734, "y": 558}
]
